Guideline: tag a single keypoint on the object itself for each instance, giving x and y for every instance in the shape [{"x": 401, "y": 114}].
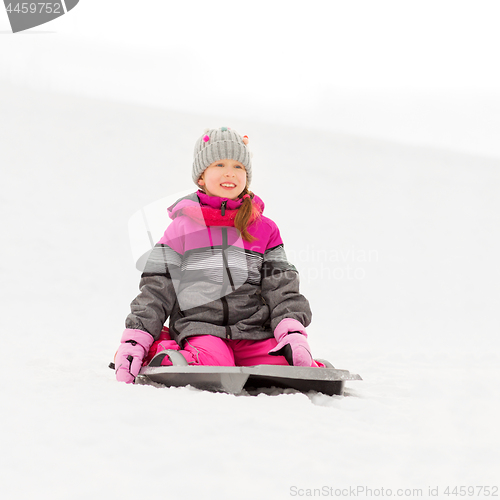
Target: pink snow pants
[{"x": 214, "y": 351}]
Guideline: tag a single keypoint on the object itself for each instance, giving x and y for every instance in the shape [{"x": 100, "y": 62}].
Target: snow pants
[{"x": 214, "y": 351}]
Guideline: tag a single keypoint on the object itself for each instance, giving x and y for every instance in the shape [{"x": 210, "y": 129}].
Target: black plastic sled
[{"x": 237, "y": 379}]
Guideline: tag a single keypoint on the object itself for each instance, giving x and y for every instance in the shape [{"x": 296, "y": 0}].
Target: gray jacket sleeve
[
  {"x": 280, "y": 289},
  {"x": 157, "y": 297}
]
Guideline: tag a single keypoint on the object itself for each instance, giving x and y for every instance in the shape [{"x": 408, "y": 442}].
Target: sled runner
[{"x": 235, "y": 379}]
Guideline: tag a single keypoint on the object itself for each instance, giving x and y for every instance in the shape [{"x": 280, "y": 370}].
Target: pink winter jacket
[{"x": 207, "y": 280}]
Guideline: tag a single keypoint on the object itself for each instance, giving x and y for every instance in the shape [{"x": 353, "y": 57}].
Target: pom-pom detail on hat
[
  {"x": 223, "y": 129},
  {"x": 245, "y": 139},
  {"x": 206, "y": 138}
]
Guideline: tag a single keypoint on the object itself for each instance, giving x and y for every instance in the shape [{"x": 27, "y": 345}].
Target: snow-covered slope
[
  {"x": 398, "y": 252},
  {"x": 363, "y": 68}
]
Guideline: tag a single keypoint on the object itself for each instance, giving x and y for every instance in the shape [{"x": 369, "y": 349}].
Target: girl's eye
[{"x": 238, "y": 166}]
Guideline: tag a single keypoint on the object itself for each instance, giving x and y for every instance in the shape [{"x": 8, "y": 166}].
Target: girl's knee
[{"x": 209, "y": 350}]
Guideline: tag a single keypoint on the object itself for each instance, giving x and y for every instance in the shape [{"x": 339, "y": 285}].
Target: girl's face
[{"x": 224, "y": 178}]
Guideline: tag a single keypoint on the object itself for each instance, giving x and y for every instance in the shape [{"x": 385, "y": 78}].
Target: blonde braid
[{"x": 246, "y": 215}]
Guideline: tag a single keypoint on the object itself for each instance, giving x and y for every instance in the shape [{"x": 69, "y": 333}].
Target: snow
[
  {"x": 419, "y": 321},
  {"x": 387, "y": 200}
]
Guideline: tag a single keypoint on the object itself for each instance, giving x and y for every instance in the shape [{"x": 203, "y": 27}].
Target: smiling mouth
[{"x": 228, "y": 185}]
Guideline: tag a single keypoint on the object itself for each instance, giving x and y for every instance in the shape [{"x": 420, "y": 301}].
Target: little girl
[{"x": 220, "y": 274}]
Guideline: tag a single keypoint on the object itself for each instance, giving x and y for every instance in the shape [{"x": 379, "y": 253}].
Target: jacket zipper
[
  {"x": 225, "y": 246},
  {"x": 225, "y": 307},
  {"x": 225, "y": 317}
]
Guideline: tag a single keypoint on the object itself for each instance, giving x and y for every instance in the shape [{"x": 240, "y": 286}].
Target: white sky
[
  {"x": 354, "y": 44},
  {"x": 423, "y": 72}
]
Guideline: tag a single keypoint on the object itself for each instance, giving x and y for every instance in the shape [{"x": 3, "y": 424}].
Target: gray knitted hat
[{"x": 218, "y": 144}]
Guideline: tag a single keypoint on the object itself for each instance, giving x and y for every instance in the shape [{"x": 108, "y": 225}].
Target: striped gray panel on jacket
[
  {"x": 206, "y": 264},
  {"x": 162, "y": 260},
  {"x": 244, "y": 266}
]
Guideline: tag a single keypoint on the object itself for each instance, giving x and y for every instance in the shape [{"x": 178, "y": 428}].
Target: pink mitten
[
  {"x": 292, "y": 343},
  {"x": 128, "y": 359}
]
